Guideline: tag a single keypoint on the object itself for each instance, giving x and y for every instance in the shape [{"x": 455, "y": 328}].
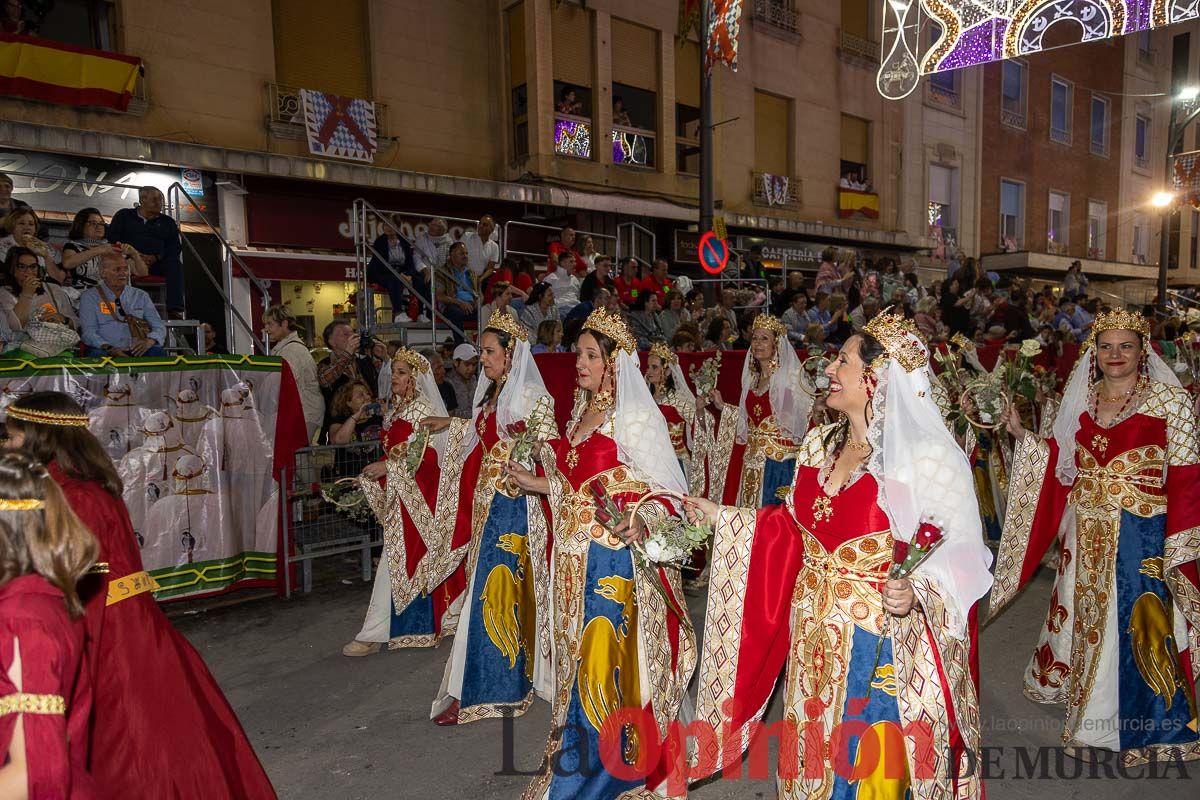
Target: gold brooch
[
  {"x": 822, "y": 509},
  {"x": 572, "y": 458},
  {"x": 1100, "y": 443}
]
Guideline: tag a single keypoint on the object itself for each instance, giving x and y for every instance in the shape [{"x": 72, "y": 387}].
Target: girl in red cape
[
  {"x": 45, "y": 693},
  {"x": 162, "y": 727}
]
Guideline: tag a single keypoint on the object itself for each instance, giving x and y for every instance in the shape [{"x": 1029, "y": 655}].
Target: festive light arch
[{"x": 924, "y": 37}]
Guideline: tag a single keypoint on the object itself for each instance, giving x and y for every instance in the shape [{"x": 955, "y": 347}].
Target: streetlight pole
[
  {"x": 1175, "y": 130},
  {"x": 706, "y": 124}
]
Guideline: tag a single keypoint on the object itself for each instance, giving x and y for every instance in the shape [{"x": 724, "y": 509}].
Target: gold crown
[
  {"x": 663, "y": 352},
  {"x": 503, "y": 321},
  {"x": 899, "y": 338},
  {"x": 613, "y": 327},
  {"x": 412, "y": 358},
  {"x": 48, "y": 417},
  {"x": 21, "y": 505},
  {"x": 1118, "y": 321},
  {"x": 767, "y": 322}
]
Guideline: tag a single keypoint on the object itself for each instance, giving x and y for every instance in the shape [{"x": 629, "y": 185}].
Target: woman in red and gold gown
[
  {"x": 418, "y": 578},
  {"x": 1119, "y": 482},
  {"x": 161, "y": 727},
  {"x": 678, "y": 406},
  {"x": 622, "y": 654},
  {"x": 45, "y": 693},
  {"x": 878, "y": 695}
]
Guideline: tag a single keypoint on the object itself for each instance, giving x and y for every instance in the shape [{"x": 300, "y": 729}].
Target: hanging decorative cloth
[{"x": 723, "y": 30}]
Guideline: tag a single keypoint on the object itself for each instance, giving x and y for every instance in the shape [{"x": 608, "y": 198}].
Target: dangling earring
[{"x": 604, "y": 399}]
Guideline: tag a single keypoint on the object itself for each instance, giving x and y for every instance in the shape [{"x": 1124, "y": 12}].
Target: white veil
[
  {"x": 1075, "y": 402},
  {"x": 790, "y": 404},
  {"x": 523, "y": 389},
  {"x": 924, "y": 477},
  {"x": 640, "y": 429}
]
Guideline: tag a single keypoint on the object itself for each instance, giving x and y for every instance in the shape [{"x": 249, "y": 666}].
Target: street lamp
[{"x": 1186, "y": 100}]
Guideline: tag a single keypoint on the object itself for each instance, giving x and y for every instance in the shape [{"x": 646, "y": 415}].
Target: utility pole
[{"x": 706, "y": 123}]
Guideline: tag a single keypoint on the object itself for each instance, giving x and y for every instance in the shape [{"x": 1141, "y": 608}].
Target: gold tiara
[
  {"x": 663, "y": 352},
  {"x": 613, "y": 327},
  {"x": 503, "y": 321},
  {"x": 21, "y": 505},
  {"x": 899, "y": 338},
  {"x": 1118, "y": 321},
  {"x": 48, "y": 417},
  {"x": 767, "y": 322},
  {"x": 412, "y": 358}
]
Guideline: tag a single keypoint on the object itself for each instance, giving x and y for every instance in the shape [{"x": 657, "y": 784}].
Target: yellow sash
[{"x": 130, "y": 586}]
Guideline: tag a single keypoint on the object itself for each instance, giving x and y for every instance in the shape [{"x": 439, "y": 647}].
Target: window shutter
[
  {"x": 687, "y": 73},
  {"x": 323, "y": 46},
  {"x": 571, "y": 39},
  {"x": 634, "y": 55},
  {"x": 855, "y": 141},
  {"x": 771, "y": 133}
]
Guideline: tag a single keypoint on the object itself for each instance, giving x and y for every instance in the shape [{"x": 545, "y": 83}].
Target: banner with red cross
[{"x": 340, "y": 127}]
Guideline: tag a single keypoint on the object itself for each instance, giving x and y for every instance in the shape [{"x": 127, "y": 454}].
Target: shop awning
[
  {"x": 278, "y": 264},
  {"x": 40, "y": 69}
]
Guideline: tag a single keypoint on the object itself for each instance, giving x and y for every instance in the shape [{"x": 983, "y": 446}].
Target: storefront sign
[
  {"x": 65, "y": 184},
  {"x": 687, "y": 247}
]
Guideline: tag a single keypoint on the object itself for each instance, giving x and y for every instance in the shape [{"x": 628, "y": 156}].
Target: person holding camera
[
  {"x": 352, "y": 357},
  {"x": 358, "y": 417},
  {"x": 25, "y": 298}
]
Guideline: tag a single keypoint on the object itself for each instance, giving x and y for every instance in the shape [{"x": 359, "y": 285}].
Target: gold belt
[
  {"x": 1104, "y": 474},
  {"x": 830, "y": 569},
  {"x": 131, "y": 585}
]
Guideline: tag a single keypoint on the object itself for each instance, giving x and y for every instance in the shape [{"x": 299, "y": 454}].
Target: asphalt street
[{"x": 327, "y": 726}]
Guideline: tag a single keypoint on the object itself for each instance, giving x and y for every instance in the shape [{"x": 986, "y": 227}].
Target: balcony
[
  {"x": 1060, "y": 136},
  {"x": 1013, "y": 119},
  {"x": 1141, "y": 161},
  {"x": 776, "y": 191},
  {"x": 286, "y": 120},
  {"x": 859, "y": 49},
  {"x": 633, "y": 147},
  {"x": 856, "y": 203},
  {"x": 572, "y": 136},
  {"x": 49, "y": 71},
  {"x": 777, "y": 14},
  {"x": 943, "y": 91}
]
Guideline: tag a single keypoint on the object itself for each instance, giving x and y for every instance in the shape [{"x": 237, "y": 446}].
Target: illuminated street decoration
[
  {"x": 572, "y": 138},
  {"x": 922, "y": 37}
]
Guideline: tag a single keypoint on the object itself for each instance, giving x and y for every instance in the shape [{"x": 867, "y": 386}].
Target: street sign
[{"x": 714, "y": 253}]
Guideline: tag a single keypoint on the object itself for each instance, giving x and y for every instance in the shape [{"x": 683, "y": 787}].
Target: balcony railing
[
  {"x": 632, "y": 147},
  {"x": 1060, "y": 136},
  {"x": 781, "y": 191},
  {"x": 286, "y": 109},
  {"x": 858, "y": 47},
  {"x": 1099, "y": 148},
  {"x": 944, "y": 95},
  {"x": 1141, "y": 162},
  {"x": 778, "y": 14},
  {"x": 1013, "y": 119},
  {"x": 572, "y": 136}
]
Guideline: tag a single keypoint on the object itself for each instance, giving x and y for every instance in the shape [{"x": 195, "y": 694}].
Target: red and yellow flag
[{"x": 61, "y": 73}]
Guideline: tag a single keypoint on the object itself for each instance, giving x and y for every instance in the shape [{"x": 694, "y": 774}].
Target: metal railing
[
  {"x": 854, "y": 45},
  {"x": 775, "y": 190},
  {"x": 945, "y": 95},
  {"x": 1060, "y": 136},
  {"x": 286, "y": 112},
  {"x": 1141, "y": 162},
  {"x": 1013, "y": 119},
  {"x": 779, "y": 14},
  {"x": 507, "y": 250},
  {"x": 635, "y": 233},
  {"x": 315, "y": 528}
]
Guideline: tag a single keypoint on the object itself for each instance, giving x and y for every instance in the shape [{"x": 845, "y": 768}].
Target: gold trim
[
  {"x": 48, "y": 417},
  {"x": 22, "y": 504},
  {"x": 22, "y": 703}
]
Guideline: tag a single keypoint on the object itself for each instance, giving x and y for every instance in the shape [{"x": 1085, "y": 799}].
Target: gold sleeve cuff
[{"x": 22, "y": 703}]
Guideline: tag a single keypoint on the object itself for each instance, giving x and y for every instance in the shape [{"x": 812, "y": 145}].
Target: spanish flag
[{"x": 61, "y": 73}]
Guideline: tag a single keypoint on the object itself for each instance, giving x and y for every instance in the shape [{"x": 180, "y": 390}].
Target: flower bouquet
[
  {"x": 705, "y": 378},
  {"x": 813, "y": 380},
  {"x": 954, "y": 378},
  {"x": 526, "y": 435},
  {"x": 346, "y": 496},
  {"x": 411, "y": 452},
  {"x": 1187, "y": 359},
  {"x": 983, "y": 402}
]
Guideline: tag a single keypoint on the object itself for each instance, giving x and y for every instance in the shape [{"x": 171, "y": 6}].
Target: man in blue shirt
[
  {"x": 156, "y": 236},
  {"x": 104, "y": 310},
  {"x": 456, "y": 295},
  {"x": 1066, "y": 318}
]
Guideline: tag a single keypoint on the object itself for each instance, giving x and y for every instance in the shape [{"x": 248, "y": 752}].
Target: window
[
  {"x": 941, "y": 197},
  {"x": 571, "y": 37},
  {"x": 943, "y": 86},
  {"x": 1012, "y": 215},
  {"x": 772, "y": 134},
  {"x": 322, "y": 46},
  {"x": 1013, "y": 78},
  {"x": 515, "y": 19},
  {"x": 1060, "y": 111},
  {"x": 687, "y": 108},
  {"x": 1097, "y": 224},
  {"x": 1144, "y": 53},
  {"x": 1141, "y": 141},
  {"x": 1141, "y": 239},
  {"x": 1059, "y": 223},
  {"x": 634, "y": 94},
  {"x": 856, "y": 150},
  {"x": 1099, "y": 141},
  {"x": 85, "y": 23},
  {"x": 856, "y": 18}
]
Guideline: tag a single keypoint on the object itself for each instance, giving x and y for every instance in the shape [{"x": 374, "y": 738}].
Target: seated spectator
[
  {"x": 814, "y": 338},
  {"x": 355, "y": 415},
  {"x": 463, "y": 378},
  {"x": 627, "y": 283},
  {"x": 539, "y": 307},
  {"x": 392, "y": 260},
  {"x": 8, "y": 203},
  {"x": 719, "y": 334},
  {"x": 796, "y": 318},
  {"x": 456, "y": 293},
  {"x": 683, "y": 342},
  {"x": 86, "y": 243},
  {"x": 794, "y": 284},
  {"x": 643, "y": 320},
  {"x": 437, "y": 368},
  {"x": 549, "y": 337},
  {"x": 432, "y": 246},
  {"x": 25, "y": 297},
  {"x": 525, "y": 275},
  {"x": 565, "y": 285},
  {"x": 346, "y": 363},
  {"x": 504, "y": 301},
  {"x": 597, "y": 279},
  {"x": 658, "y": 281},
  {"x": 588, "y": 252},
  {"x": 504, "y": 272},
  {"x": 571, "y": 330},
  {"x": 565, "y": 244},
  {"x": 156, "y": 236},
  {"x": 620, "y": 114},
  {"x": 865, "y": 312},
  {"x": 568, "y": 103},
  {"x": 819, "y": 313},
  {"x": 21, "y": 228},
  {"x": 694, "y": 305},
  {"x": 725, "y": 307},
  {"x": 106, "y": 311},
  {"x": 211, "y": 346},
  {"x": 672, "y": 316},
  {"x": 839, "y": 328},
  {"x": 777, "y": 296},
  {"x": 279, "y": 323},
  {"x": 483, "y": 251},
  {"x": 745, "y": 321}
]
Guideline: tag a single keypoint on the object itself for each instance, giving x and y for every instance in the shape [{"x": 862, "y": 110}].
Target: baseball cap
[{"x": 465, "y": 352}]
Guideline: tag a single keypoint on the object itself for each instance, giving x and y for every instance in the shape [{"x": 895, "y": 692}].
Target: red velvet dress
[
  {"x": 55, "y": 690},
  {"x": 764, "y": 463},
  {"x": 162, "y": 728}
]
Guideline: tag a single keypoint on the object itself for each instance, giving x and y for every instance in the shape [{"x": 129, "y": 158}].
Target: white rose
[
  {"x": 654, "y": 549},
  {"x": 1030, "y": 348},
  {"x": 822, "y": 382},
  {"x": 985, "y": 417}
]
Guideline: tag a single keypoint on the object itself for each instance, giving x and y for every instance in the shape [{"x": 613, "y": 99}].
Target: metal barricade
[
  {"x": 315, "y": 528},
  {"x": 517, "y": 227}
]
